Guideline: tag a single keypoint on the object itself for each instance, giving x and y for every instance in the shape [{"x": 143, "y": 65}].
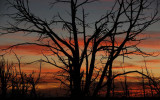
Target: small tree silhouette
[
  {"x": 21, "y": 84},
  {"x": 28, "y": 82},
  {"x": 34, "y": 81},
  {"x": 115, "y": 34},
  {"x": 5, "y": 75}
]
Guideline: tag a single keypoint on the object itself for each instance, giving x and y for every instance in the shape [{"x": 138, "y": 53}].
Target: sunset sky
[{"x": 41, "y": 8}]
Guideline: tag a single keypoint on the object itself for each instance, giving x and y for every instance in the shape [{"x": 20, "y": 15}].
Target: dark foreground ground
[{"x": 86, "y": 98}]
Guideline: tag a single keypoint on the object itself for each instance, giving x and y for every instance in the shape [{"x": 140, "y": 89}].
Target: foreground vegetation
[{"x": 14, "y": 83}]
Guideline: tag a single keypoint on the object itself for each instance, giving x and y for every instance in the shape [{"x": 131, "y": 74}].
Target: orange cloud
[
  {"x": 35, "y": 50},
  {"x": 150, "y": 44},
  {"x": 150, "y": 61},
  {"x": 129, "y": 77},
  {"x": 132, "y": 66},
  {"x": 26, "y": 49}
]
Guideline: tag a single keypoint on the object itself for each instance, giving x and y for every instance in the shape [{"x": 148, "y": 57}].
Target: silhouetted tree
[
  {"x": 21, "y": 84},
  {"x": 33, "y": 80},
  {"x": 28, "y": 82},
  {"x": 154, "y": 86},
  {"x": 5, "y": 75},
  {"x": 115, "y": 34},
  {"x": 125, "y": 87}
]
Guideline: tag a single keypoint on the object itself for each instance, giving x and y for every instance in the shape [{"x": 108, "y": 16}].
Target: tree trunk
[
  {"x": 76, "y": 89},
  {"x": 33, "y": 91},
  {"x": 109, "y": 81},
  {"x": 3, "y": 83},
  {"x": 4, "y": 90}
]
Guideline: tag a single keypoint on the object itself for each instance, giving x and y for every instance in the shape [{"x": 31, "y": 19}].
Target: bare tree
[
  {"x": 21, "y": 84},
  {"x": 5, "y": 69},
  {"x": 33, "y": 80},
  {"x": 154, "y": 86},
  {"x": 28, "y": 81},
  {"x": 115, "y": 34},
  {"x": 126, "y": 89}
]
